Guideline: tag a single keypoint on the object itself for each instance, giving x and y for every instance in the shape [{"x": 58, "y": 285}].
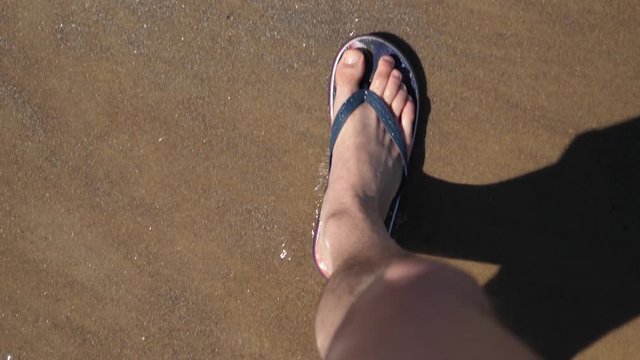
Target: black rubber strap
[{"x": 384, "y": 115}]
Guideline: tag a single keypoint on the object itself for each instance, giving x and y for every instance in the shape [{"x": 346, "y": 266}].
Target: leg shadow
[{"x": 567, "y": 238}]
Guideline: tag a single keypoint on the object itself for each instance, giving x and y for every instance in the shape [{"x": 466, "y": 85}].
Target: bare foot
[{"x": 366, "y": 167}]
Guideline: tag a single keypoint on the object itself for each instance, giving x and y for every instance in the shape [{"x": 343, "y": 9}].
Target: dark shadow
[{"x": 567, "y": 238}]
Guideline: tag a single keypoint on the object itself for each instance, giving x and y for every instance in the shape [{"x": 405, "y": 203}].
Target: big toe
[{"x": 349, "y": 73}]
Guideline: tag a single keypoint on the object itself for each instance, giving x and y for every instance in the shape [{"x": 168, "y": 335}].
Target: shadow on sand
[{"x": 567, "y": 237}]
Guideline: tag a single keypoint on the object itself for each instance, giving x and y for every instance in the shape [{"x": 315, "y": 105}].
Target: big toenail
[{"x": 351, "y": 57}]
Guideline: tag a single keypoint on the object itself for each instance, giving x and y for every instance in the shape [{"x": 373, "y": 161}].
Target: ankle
[
  {"x": 351, "y": 225},
  {"x": 347, "y": 204}
]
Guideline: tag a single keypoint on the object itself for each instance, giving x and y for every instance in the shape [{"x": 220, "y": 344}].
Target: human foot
[{"x": 366, "y": 167}]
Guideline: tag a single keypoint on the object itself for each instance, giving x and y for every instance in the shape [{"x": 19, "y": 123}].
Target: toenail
[
  {"x": 388, "y": 59},
  {"x": 351, "y": 57}
]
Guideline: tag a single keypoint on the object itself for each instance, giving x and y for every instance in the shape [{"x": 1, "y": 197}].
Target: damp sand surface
[{"x": 158, "y": 159}]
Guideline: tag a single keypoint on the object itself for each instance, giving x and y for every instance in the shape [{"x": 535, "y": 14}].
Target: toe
[
  {"x": 349, "y": 73},
  {"x": 407, "y": 120},
  {"x": 382, "y": 74},
  {"x": 399, "y": 101},
  {"x": 394, "y": 84}
]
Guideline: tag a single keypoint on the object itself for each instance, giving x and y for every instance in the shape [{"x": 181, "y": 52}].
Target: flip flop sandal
[{"x": 373, "y": 47}]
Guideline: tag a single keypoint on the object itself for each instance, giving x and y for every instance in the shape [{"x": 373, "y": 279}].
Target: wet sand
[{"x": 158, "y": 161}]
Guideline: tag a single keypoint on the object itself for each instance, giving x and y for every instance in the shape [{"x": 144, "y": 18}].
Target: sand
[{"x": 158, "y": 160}]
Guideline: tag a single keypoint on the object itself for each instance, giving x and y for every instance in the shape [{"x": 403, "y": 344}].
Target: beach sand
[{"x": 158, "y": 160}]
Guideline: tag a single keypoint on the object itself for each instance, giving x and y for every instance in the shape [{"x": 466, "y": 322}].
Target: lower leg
[
  {"x": 412, "y": 308},
  {"x": 379, "y": 296},
  {"x": 362, "y": 250}
]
